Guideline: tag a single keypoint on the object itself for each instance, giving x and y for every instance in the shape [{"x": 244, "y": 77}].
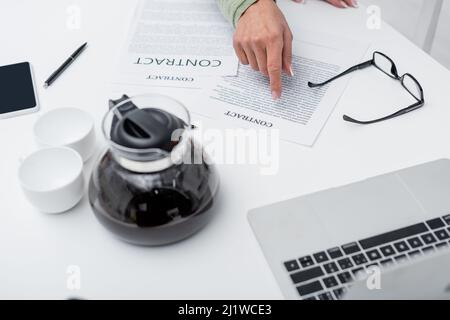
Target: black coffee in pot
[
  {"x": 152, "y": 209},
  {"x": 144, "y": 206}
]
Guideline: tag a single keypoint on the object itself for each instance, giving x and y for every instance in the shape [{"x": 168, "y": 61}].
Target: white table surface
[{"x": 224, "y": 260}]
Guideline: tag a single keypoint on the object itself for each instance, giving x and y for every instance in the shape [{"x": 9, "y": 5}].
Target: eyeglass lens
[
  {"x": 412, "y": 86},
  {"x": 384, "y": 64}
]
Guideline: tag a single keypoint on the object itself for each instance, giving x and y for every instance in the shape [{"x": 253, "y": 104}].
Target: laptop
[{"x": 318, "y": 245}]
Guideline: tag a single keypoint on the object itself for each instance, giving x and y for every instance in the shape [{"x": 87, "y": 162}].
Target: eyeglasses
[{"x": 385, "y": 64}]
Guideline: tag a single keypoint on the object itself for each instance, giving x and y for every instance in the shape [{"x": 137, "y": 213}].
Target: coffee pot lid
[{"x": 143, "y": 128}]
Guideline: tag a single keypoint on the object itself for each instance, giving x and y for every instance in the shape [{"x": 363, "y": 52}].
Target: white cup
[
  {"x": 67, "y": 127},
  {"x": 52, "y": 179}
]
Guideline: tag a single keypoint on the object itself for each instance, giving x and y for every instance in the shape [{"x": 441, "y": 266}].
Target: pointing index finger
[{"x": 274, "y": 67}]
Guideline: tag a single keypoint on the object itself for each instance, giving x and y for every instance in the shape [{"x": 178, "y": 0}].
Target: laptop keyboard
[{"x": 326, "y": 275}]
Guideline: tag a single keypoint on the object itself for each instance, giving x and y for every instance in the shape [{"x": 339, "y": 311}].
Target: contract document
[
  {"x": 175, "y": 42},
  {"x": 302, "y": 112}
]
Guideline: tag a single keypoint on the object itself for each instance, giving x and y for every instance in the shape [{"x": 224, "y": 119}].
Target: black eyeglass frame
[{"x": 420, "y": 101}]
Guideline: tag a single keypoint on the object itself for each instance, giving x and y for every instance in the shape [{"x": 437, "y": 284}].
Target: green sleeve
[{"x": 233, "y": 9}]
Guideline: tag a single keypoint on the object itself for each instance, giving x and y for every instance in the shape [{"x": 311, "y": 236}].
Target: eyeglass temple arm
[
  {"x": 406, "y": 110},
  {"x": 350, "y": 70}
]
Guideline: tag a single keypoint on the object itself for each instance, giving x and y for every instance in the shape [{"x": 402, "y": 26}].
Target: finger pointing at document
[{"x": 264, "y": 41}]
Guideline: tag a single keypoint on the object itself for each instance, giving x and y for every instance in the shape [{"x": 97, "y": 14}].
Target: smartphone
[{"x": 18, "y": 90}]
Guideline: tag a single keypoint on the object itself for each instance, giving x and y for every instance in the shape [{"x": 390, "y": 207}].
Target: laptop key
[
  {"x": 428, "y": 238},
  {"x": 325, "y": 296},
  {"x": 321, "y": 257},
  {"x": 415, "y": 242},
  {"x": 401, "y": 246},
  {"x": 357, "y": 271},
  {"x": 330, "y": 267},
  {"x": 345, "y": 263},
  {"x": 330, "y": 282},
  {"x": 359, "y": 259},
  {"x": 309, "y": 288},
  {"x": 435, "y": 223},
  {"x": 372, "y": 265},
  {"x": 351, "y": 248},
  {"x": 306, "y": 261},
  {"x": 441, "y": 234},
  {"x": 386, "y": 262},
  {"x": 291, "y": 265},
  {"x": 442, "y": 245},
  {"x": 310, "y": 298},
  {"x": 345, "y": 277},
  {"x": 393, "y": 236},
  {"x": 335, "y": 253},
  {"x": 447, "y": 218},
  {"x": 374, "y": 255},
  {"x": 401, "y": 258},
  {"x": 414, "y": 253},
  {"x": 387, "y": 251},
  {"x": 428, "y": 249},
  {"x": 306, "y": 275},
  {"x": 339, "y": 292}
]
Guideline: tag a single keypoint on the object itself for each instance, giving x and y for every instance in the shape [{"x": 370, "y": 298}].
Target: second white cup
[
  {"x": 67, "y": 127},
  {"x": 52, "y": 179}
]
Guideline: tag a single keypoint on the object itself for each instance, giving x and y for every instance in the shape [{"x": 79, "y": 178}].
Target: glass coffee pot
[{"x": 154, "y": 185}]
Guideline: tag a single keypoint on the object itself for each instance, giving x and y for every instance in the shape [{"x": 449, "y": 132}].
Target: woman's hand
[{"x": 263, "y": 40}]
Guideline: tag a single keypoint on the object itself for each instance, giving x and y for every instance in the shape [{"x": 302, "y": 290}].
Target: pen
[{"x": 64, "y": 66}]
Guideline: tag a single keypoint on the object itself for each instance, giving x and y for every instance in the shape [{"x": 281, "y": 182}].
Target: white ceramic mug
[
  {"x": 52, "y": 179},
  {"x": 68, "y": 127}
]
